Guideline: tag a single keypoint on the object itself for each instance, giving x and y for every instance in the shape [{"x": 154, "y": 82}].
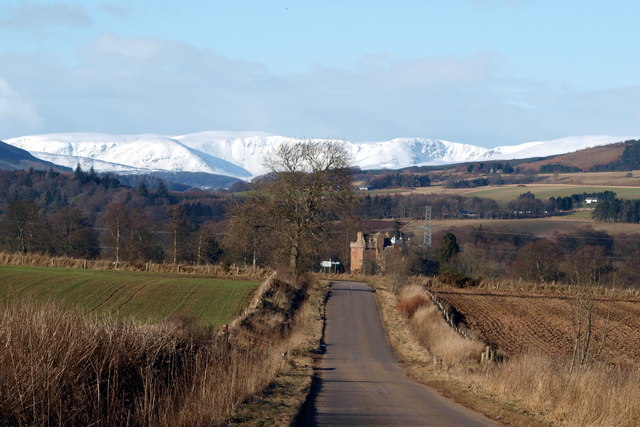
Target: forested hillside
[
  {"x": 629, "y": 160},
  {"x": 87, "y": 215}
]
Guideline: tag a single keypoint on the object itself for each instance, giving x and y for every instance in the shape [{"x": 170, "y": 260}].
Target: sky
[{"x": 483, "y": 72}]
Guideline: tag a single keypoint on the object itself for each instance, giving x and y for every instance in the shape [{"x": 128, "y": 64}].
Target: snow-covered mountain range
[{"x": 240, "y": 154}]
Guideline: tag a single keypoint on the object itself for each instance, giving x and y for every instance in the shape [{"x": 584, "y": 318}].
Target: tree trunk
[
  {"x": 117, "y": 245},
  {"x": 253, "y": 262},
  {"x": 199, "y": 256},
  {"x": 175, "y": 246},
  {"x": 293, "y": 259}
]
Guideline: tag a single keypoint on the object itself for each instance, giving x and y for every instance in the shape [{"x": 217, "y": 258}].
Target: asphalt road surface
[{"x": 360, "y": 380}]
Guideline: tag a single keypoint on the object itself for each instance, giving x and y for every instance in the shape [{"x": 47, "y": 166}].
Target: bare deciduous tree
[
  {"x": 23, "y": 224},
  {"x": 116, "y": 221},
  {"x": 309, "y": 186},
  {"x": 207, "y": 248},
  {"x": 72, "y": 234},
  {"x": 248, "y": 229},
  {"x": 177, "y": 228},
  {"x": 537, "y": 261},
  {"x": 583, "y": 306}
]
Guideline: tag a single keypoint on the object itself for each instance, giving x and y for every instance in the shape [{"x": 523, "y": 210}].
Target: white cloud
[
  {"x": 113, "y": 10},
  {"x": 30, "y": 16},
  {"x": 17, "y": 114},
  {"x": 132, "y": 85},
  {"x": 434, "y": 70}
]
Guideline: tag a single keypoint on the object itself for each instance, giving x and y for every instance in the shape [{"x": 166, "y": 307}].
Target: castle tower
[{"x": 357, "y": 253}]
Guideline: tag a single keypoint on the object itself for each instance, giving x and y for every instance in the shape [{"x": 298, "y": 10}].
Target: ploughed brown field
[{"x": 519, "y": 322}]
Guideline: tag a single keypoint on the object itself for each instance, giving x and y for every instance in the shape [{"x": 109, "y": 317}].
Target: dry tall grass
[
  {"x": 455, "y": 350},
  {"x": 62, "y": 368},
  {"x": 429, "y": 329},
  {"x": 594, "y": 395}
]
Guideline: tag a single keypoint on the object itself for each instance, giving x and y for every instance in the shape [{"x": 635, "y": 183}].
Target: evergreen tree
[
  {"x": 162, "y": 191},
  {"x": 77, "y": 173},
  {"x": 142, "y": 190},
  {"x": 448, "y": 248}
]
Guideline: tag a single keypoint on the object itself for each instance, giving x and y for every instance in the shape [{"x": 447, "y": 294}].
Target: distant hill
[
  {"x": 14, "y": 158},
  {"x": 582, "y": 159}
]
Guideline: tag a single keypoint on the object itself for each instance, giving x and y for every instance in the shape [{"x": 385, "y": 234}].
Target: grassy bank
[
  {"x": 279, "y": 404},
  {"x": 145, "y": 296}
]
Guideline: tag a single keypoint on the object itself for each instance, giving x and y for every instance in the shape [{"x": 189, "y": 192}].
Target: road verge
[{"x": 280, "y": 403}]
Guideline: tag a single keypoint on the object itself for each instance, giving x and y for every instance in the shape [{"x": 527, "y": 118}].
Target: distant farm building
[{"x": 590, "y": 200}]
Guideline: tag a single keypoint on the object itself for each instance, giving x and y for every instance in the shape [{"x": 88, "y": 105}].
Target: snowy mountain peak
[{"x": 240, "y": 154}]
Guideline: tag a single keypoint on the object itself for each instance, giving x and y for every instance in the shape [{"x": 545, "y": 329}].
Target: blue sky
[{"x": 486, "y": 72}]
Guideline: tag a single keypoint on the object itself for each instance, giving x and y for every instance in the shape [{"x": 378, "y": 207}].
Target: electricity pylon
[{"x": 426, "y": 240}]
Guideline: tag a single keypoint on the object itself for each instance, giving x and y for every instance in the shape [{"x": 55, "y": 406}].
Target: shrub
[{"x": 409, "y": 306}]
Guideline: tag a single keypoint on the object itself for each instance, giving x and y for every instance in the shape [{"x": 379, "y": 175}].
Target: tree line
[
  {"x": 301, "y": 212},
  {"x": 559, "y": 168},
  {"x": 582, "y": 256},
  {"x": 567, "y": 203},
  {"x": 452, "y": 207},
  {"x": 90, "y": 215},
  {"x": 405, "y": 180},
  {"x": 617, "y": 210}
]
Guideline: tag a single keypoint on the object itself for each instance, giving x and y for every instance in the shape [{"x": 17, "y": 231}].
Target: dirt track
[{"x": 360, "y": 380}]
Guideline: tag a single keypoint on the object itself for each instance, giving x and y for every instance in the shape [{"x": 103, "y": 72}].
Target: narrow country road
[{"x": 361, "y": 382}]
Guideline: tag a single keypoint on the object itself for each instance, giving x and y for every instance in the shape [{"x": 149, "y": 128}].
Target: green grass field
[
  {"x": 385, "y": 191},
  {"x": 508, "y": 193},
  {"x": 146, "y": 297}
]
